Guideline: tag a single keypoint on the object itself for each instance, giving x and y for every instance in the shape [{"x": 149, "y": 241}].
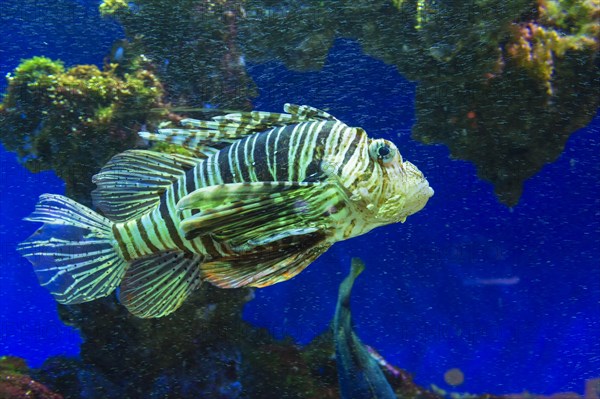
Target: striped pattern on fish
[
  {"x": 227, "y": 166},
  {"x": 263, "y": 197}
]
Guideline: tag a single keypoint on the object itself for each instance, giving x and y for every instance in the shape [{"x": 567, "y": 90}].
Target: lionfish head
[{"x": 401, "y": 189}]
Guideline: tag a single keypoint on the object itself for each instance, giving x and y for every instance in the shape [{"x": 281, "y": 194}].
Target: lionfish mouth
[
  {"x": 399, "y": 207},
  {"x": 419, "y": 197},
  {"x": 424, "y": 189}
]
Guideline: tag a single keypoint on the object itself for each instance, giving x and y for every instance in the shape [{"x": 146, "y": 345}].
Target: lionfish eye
[{"x": 382, "y": 151}]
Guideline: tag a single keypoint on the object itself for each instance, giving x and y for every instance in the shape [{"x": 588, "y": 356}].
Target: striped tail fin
[{"x": 74, "y": 253}]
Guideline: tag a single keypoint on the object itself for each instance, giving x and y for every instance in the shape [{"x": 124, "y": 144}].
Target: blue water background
[{"x": 414, "y": 303}]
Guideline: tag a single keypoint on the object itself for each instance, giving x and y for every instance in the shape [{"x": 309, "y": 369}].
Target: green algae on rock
[{"x": 73, "y": 120}]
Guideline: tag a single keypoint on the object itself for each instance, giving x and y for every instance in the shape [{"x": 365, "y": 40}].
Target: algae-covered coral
[
  {"x": 562, "y": 26},
  {"x": 513, "y": 114},
  {"x": 73, "y": 120},
  {"x": 193, "y": 45}
]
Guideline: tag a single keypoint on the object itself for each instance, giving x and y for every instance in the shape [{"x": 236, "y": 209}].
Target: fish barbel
[{"x": 263, "y": 196}]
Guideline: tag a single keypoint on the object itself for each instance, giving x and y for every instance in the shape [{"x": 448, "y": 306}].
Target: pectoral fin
[
  {"x": 245, "y": 211},
  {"x": 285, "y": 259},
  {"x": 212, "y": 196},
  {"x": 273, "y": 237}
]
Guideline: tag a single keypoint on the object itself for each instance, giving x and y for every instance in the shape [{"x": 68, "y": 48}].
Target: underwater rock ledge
[{"x": 501, "y": 84}]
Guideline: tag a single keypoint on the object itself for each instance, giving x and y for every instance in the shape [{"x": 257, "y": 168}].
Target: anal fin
[{"x": 157, "y": 285}]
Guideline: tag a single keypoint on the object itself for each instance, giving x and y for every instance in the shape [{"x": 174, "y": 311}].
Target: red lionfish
[{"x": 263, "y": 197}]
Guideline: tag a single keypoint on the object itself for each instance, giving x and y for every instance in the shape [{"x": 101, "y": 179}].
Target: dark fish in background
[
  {"x": 264, "y": 195},
  {"x": 359, "y": 374},
  {"x": 498, "y": 281}
]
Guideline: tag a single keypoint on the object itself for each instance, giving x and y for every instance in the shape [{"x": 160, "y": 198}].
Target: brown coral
[{"x": 16, "y": 384}]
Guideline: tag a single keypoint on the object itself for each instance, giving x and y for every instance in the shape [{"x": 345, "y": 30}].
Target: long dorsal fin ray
[
  {"x": 308, "y": 113},
  {"x": 157, "y": 285},
  {"x": 131, "y": 183},
  {"x": 205, "y": 137}
]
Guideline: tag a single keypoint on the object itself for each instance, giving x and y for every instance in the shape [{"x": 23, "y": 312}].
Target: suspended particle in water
[{"x": 454, "y": 377}]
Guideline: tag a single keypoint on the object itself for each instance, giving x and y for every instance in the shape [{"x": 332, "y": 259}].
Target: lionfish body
[{"x": 265, "y": 195}]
